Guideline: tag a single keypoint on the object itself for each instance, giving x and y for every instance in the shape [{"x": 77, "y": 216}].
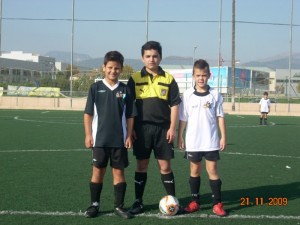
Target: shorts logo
[{"x": 163, "y": 92}]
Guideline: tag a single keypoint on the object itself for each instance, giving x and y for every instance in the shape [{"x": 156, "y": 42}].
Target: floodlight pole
[
  {"x": 0, "y": 25},
  {"x": 195, "y": 47},
  {"x": 72, "y": 47},
  {"x": 147, "y": 20},
  {"x": 233, "y": 57},
  {"x": 290, "y": 55},
  {"x": 220, "y": 39}
]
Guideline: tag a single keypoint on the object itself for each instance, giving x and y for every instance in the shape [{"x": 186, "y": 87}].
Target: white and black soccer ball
[{"x": 169, "y": 205}]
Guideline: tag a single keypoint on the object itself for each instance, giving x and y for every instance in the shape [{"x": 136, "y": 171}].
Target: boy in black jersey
[{"x": 108, "y": 123}]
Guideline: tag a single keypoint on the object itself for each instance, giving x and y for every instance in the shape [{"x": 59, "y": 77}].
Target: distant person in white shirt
[
  {"x": 201, "y": 110},
  {"x": 264, "y": 109}
]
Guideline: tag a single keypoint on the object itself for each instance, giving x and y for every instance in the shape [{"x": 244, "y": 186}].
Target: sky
[{"x": 184, "y": 28}]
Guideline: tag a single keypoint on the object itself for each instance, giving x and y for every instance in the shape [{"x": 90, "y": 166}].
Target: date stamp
[{"x": 260, "y": 201}]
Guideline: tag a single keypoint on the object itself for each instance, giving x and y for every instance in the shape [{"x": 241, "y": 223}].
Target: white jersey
[
  {"x": 200, "y": 111},
  {"x": 264, "y": 105}
]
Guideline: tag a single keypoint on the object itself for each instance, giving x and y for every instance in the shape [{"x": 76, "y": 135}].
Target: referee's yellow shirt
[{"x": 154, "y": 95}]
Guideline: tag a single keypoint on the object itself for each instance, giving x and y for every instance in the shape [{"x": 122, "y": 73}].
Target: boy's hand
[
  {"x": 128, "y": 142},
  {"x": 181, "y": 143},
  {"x": 222, "y": 144},
  {"x": 89, "y": 141}
]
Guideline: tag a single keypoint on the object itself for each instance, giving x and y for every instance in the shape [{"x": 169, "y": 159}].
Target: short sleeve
[
  {"x": 89, "y": 107},
  {"x": 174, "y": 95}
]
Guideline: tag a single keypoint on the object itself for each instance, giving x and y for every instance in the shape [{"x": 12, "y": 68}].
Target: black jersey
[{"x": 109, "y": 106}]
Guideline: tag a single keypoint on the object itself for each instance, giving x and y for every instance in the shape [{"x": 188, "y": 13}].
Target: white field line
[
  {"x": 249, "y": 126},
  {"x": 79, "y": 122},
  {"x": 42, "y": 121},
  {"x": 263, "y": 155},
  {"x": 153, "y": 215},
  {"x": 61, "y": 122},
  {"x": 45, "y": 150},
  {"x": 85, "y": 149}
]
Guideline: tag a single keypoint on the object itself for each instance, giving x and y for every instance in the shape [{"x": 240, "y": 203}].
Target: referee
[{"x": 157, "y": 99}]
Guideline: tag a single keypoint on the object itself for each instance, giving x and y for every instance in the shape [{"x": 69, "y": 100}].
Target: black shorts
[
  {"x": 197, "y": 156},
  {"x": 152, "y": 137},
  {"x": 118, "y": 157}
]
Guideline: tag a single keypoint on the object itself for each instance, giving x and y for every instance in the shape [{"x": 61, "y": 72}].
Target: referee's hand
[{"x": 171, "y": 135}]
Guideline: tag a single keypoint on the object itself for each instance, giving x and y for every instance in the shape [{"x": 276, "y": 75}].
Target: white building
[
  {"x": 282, "y": 80},
  {"x": 17, "y": 66}
]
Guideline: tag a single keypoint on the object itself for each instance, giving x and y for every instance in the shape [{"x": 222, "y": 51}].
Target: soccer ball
[{"x": 169, "y": 205}]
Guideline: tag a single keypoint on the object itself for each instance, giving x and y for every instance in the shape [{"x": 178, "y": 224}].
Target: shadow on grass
[
  {"x": 232, "y": 198},
  {"x": 264, "y": 194}
]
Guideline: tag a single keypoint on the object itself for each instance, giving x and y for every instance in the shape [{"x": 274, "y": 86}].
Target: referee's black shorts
[{"x": 152, "y": 137}]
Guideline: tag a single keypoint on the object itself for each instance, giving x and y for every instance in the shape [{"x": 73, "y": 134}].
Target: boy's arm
[
  {"x": 128, "y": 141},
  {"x": 222, "y": 127},
  {"x": 87, "y": 121},
  {"x": 181, "y": 128},
  {"x": 171, "y": 134}
]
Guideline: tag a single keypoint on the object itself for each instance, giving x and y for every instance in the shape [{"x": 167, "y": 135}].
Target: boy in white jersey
[
  {"x": 201, "y": 110},
  {"x": 264, "y": 109}
]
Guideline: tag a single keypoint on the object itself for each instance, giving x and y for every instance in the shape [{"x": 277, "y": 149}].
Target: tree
[
  {"x": 68, "y": 70},
  {"x": 127, "y": 72},
  {"x": 83, "y": 83},
  {"x": 62, "y": 82},
  {"x": 46, "y": 81}
]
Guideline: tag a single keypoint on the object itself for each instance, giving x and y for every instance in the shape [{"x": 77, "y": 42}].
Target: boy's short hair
[
  {"x": 265, "y": 93},
  {"x": 201, "y": 64},
  {"x": 152, "y": 45},
  {"x": 114, "y": 56}
]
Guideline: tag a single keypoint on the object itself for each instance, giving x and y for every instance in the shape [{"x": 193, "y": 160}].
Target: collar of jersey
[
  {"x": 110, "y": 87},
  {"x": 201, "y": 93},
  {"x": 160, "y": 72}
]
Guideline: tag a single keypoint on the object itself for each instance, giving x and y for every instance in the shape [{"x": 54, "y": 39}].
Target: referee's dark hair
[
  {"x": 201, "y": 64},
  {"x": 114, "y": 56},
  {"x": 152, "y": 45}
]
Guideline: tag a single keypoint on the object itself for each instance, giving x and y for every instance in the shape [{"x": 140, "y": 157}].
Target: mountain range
[
  {"x": 277, "y": 62},
  {"x": 84, "y": 60}
]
